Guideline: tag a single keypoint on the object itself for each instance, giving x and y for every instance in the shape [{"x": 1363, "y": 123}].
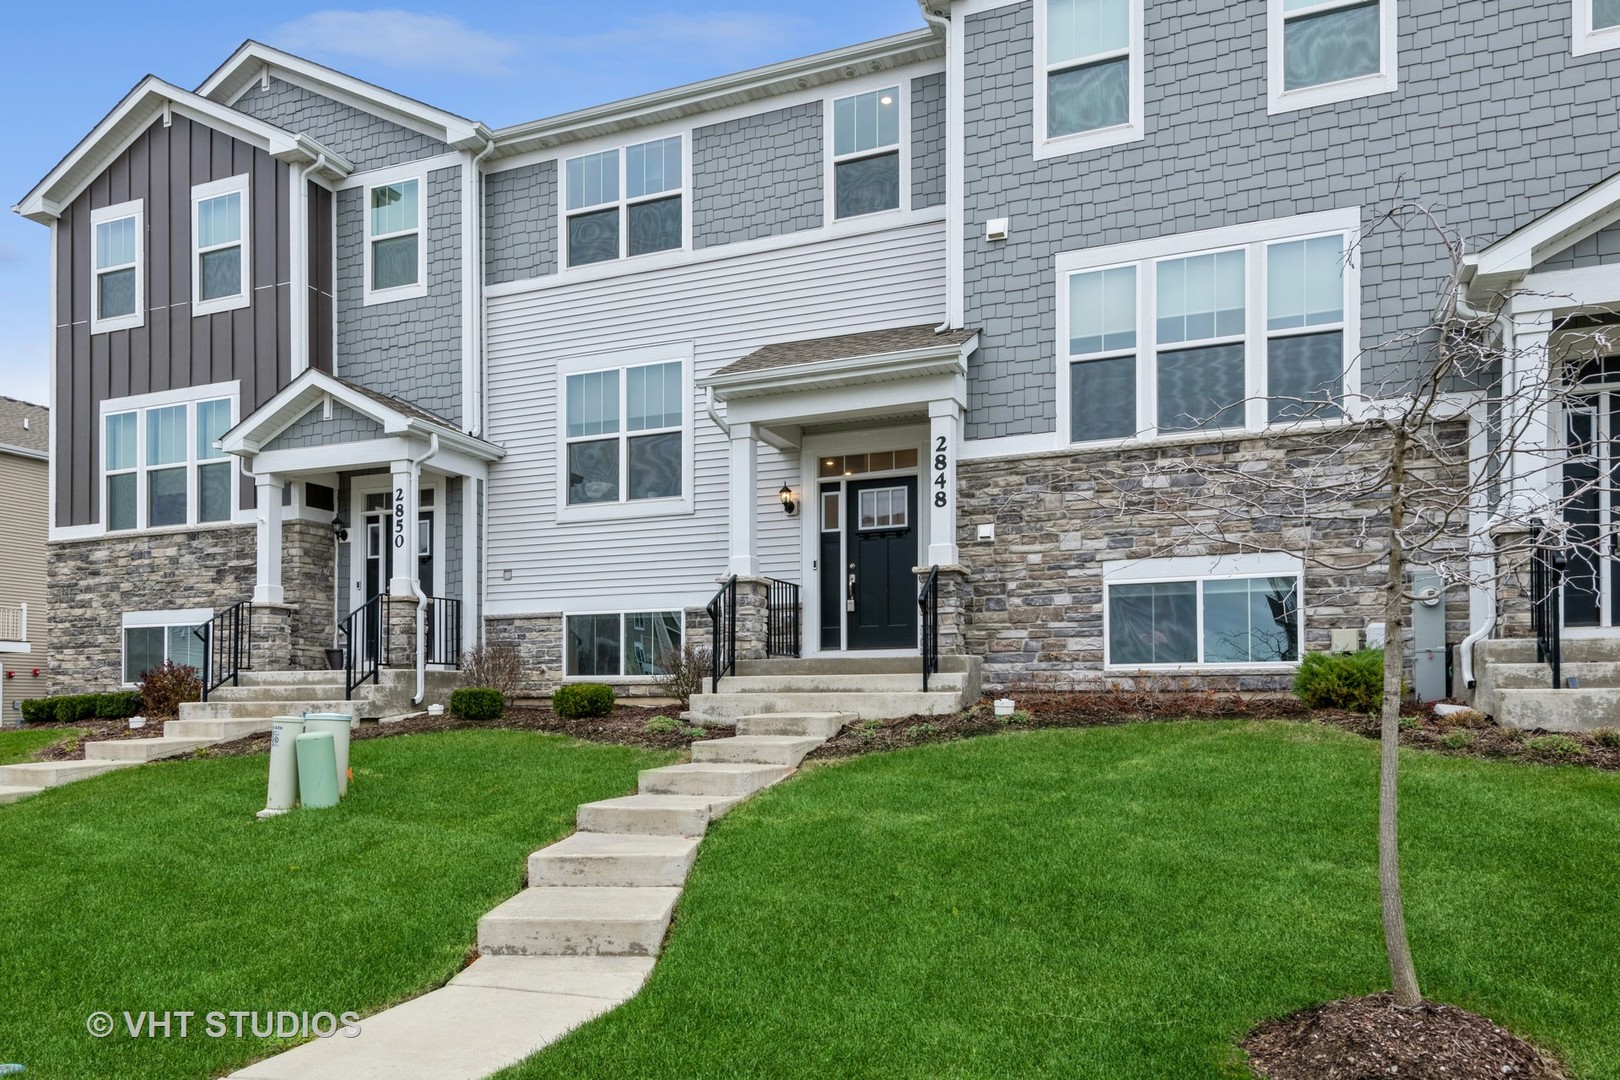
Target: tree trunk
[{"x": 1403, "y": 977}]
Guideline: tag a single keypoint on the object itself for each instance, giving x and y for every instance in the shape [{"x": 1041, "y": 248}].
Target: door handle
[{"x": 849, "y": 595}]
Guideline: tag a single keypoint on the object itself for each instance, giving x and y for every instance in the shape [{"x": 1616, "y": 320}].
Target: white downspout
[
  {"x": 416, "y": 582},
  {"x": 955, "y": 234},
  {"x": 298, "y": 272},
  {"x": 1479, "y": 519},
  {"x": 725, "y": 428}
]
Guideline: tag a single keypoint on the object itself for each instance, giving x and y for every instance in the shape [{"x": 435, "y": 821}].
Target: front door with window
[
  {"x": 379, "y": 563},
  {"x": 1591, "y": 502},
  {"x": 880, "y": 552}
]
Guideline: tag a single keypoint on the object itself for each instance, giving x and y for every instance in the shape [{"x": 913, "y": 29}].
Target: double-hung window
[
  {"x": 1089, "y": 74},
  {"x": 623, "y": 203},
  {"x": 396, "y": 267},
  {"x": 1230, "y": 611},
  {"x": 117, "y": 292},
  {"x": 625, "y": 434},
  {"x": 619, "y": 645},
  {"x": 152, "y": 637},
  {"x": 866, "y": 152},
  {"x": 1322, "y": 51},
  {"x": 220, "y": 273},
  {"x": 1596, "y": 26},
  {"x": 1254, "y": 329},
  {"x": 161, "y": 465}
]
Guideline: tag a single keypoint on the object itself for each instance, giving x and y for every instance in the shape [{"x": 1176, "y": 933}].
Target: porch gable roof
[
  {"x": 1513, "y": 256},
  {"x": 844, "y": 360}
]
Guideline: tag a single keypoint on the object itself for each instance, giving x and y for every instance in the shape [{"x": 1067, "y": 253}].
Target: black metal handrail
[
  {"x": 928, "y": 604},
  {"x": 783, "y": 636},
  {"x": 443, "y": 628},
  {"x": 1548, "y": 561},
  {"x": 365, "y": 643},
  {"x": 227, "y": 641},
  {"x": 723, "y": 615}
]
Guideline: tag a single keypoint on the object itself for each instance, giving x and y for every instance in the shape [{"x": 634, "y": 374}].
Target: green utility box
[{"x": 317, "y": 770}]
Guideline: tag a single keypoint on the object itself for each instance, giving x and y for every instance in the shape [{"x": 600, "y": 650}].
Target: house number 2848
[{"x": 941, "y": 461}]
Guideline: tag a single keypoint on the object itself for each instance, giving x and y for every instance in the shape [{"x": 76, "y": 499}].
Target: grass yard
[
  {"x": 1115, "y": 903},
  {"x": 19, "y": 745},
  {"x": 155, "y": 889}
]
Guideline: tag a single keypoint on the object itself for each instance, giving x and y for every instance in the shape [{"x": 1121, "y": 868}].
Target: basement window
[{"x": 619, "y": 645}]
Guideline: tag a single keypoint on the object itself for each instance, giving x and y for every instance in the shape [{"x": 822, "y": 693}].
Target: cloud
[{"x": 400, "y": 39}]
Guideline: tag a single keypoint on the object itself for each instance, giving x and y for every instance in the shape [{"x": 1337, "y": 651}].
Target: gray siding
[
  {"x": 520, "y": 223},
  {"x": 408, "y": 348},
  {"x": 368, "y": 141},
  {"x": 1600, "y": 249},
  {"x": 1487, "y": 153},
  {"x": 757, "y": 176},
  {"x": 928, "y": 140},
  {"x": 450, "y": 557},
  {"x": 346, "y": 426},
  {"x": 173, "y": 349}
]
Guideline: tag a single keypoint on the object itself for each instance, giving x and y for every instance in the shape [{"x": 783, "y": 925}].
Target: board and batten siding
[{"x": 722, "y": 310}]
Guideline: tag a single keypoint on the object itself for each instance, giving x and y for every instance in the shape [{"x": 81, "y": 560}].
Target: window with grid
[
  {"x": 116, "y": 240},
  {"x": 624, "y": 202},
  {"x": 624, "y": 430},
  {"x": 162, "y": 469},
  {"x": 1325, "y": 51},
  {"x": 394, "y": 238},
  {"x": 866, "y": 153},
  {"x": 220, "y": 272},
  {"x": 1089, "y": 51}
]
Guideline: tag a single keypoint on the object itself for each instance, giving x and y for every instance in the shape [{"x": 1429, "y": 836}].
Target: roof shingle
[
  {"x": 35, "y": 436},
  {"x": 847, "y": 347}
]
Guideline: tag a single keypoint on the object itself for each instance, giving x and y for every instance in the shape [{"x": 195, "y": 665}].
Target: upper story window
[
  {"x": 117, "y": 291},
  {"x": 1323, "y": 51},
  {"x": 1089, "y": 74},
  {"x": 161, "y": 465},
  {"x": 625, "y": 434},
  {"x": 866, "y": 153},
  {"x": 622, "y": 203},
  {"x": 1596, "y": 26},
  {"x": 396, "y": 256},
  {"x": 1253, "y": 332},
  {"x": 219, "y": 240}
]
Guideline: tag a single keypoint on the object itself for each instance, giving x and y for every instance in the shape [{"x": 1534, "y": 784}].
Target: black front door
[
  {"x": 880, "y": 546},
  {"x": 1591, "y": 502}
]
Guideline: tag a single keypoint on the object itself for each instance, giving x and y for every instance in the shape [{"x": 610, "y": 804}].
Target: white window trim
[
  {"x": 623, "y": 202},
  {"x": 1584, "y": 39},
  {"x": 1202, "y": 568},
  {"x": 417, "y": 289},
  {"x": 1382, "y": 81},
  {"x": 1253, "y": 238},
  {"x": 679, "y": 612},
  {"x": 136, "y": 620},
  {"x": 136, "y": 210},
  {"x": 1132, "y": 130},
  {"x": 829, "y": 172},
  {"x": 625, "y": 509},
  {"x": 200, "y": 194},
  {"x": 138, "y": 404}
]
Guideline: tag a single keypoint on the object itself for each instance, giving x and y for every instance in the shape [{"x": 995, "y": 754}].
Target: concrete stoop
[
  {"x": 262, "y": 695},
  {"x": 1516, "y": 691},
  {"x": 868, "y": 687},
  {"x": 582, "y": 938}
]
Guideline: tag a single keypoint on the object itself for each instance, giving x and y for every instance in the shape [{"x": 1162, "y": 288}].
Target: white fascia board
[
  {"x": 848, "y": 371},
  {"x": 458, "y": 441},
  {"x": 835, "y": 404},
  {"x": 1519, "y": 251},
  {"x": 326, "y": 459}
]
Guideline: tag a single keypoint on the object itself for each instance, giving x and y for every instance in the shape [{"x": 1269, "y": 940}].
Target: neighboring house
[
  {"x": 930, "y": 294},
  {"x": 24, "y": 450}
]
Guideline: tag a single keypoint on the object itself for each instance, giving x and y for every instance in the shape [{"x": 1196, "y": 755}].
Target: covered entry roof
[{"x": 845, "y": 360}]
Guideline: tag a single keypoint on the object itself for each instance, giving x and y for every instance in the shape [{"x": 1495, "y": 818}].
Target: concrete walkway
[
  {"x": 104, "y": 755},
  {"x": 582, "y": 938}
]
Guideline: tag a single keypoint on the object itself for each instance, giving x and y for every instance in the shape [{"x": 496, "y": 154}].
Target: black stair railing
[
  {"x": 723, "y": 619},
  {"x": 365, "y": 643},
  {"x": 442, "y": 625},
  {"x": 928, "y": 607},
  {"x": 1548, "y": 560},
  {"x": 782, "y": 631},
  {"x": 227, "y": 647}
]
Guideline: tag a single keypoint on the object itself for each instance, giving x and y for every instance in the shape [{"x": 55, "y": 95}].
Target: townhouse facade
[
  {"x": 912, "y": 311},
  {"x": 24, "y": 450}
]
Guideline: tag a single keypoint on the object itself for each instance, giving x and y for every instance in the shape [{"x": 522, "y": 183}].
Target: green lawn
[
  {"x": 155, "y": 888},
  {"x": 19, "y": 745},
  {"x": 1115, "y": 903}
]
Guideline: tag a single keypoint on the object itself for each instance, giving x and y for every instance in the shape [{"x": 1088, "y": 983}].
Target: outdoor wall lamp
[
  {"x": 340, "y": 528},
  {"x": 790, "y": 505}
]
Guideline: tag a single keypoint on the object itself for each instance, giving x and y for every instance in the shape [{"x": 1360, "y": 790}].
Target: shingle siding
[
  {"x": 1602, "y": 248},
  {"x": 928, "y": 141},
  {"x": 1485, "y": 152},
  {"x": 346, "y": 426},
  {"x": 757, "y": 176},
  {"x": 520, "y": 223},
  {"x": 368, "y": 141}
]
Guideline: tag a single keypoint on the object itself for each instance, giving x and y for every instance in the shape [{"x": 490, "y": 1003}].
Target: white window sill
[
  {"x": 223, "y": 303},
  {"x": 1183, "y": 438},
  {"x": 121, "y": 322},
  {"x": 164, "y": 530},
  {"x": 1284, "y": 668},
  {"x": 635, "y": 510},
  {"x": 1594, "y": 41},
  {"x": 1082, "y": 141},
  {"x": 1309, "y": 97},
  {"x": 15, "y": 647},
  {"x": 389, "y": 296}
]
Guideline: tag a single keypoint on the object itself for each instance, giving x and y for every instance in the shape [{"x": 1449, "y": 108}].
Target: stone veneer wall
[
  {"x": 539, "y": 641},
  {"x": 306, "y": 585},
  {"x": 1036, "y": 592}
]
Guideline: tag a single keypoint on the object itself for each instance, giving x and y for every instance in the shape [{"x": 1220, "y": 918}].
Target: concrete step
[
  {"x": 710, "y": 778},
  {"x": 1593, "y": 675},
  {"x": 1558, "y": 710},
  {"x": 47, "y": 774},
  {"x": 662, "y": 815},
  {"x": 298, "y": 692},
  {"x": 550, "y": 921},
  {"x": 809, "y": 725},
  {"x": 262, "y": 710},
  {"x": 1576, "y": 650},
  {"x": 142, "y": 749},
  {"x": 728, "y": 706},
  {"x": 833, "y": 683},
  {"x": 291, "y": 678},
  {"x": 849, "y": 664},
  {"x": 614, "y": 859},
  {"x": 756, "y": 749},
  {"x": 12, "y": 794},
  {"x": 218, "y": 730}
]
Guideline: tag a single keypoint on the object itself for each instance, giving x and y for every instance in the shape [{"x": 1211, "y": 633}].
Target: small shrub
[
  {"x": 38, "y": 711},
  {"x": 1514, "y": 734},
  {"x": 696, "y": 731},
  {"x": 1352, "y": 681},
  {"x": 687, "y": 670},
  {"x": 163, "y": 689},
  {"x": 869, "y": 729},
  {"x": 477, "y": 703},
  {"x": 1606, "y": 736},
  {"x": 918, "y": 730},
  {"x": 1411, "y": 723},
  {"x": 663, "y": 725},
  {"x": 493, "y": 667},
  {"x": 118, "y": 705},
  {"x": 574, "y": 701},
  {"x": 72, "y": 708},
  {"x": 1556, "y": 746},
  {"x": 1461, "y": 739},
  {"x": 1019, "y": 717},
  {"x": 1469, "y": 718}
]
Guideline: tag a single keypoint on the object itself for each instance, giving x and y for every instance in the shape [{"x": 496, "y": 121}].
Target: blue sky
[{"x": 65, "y": 67}]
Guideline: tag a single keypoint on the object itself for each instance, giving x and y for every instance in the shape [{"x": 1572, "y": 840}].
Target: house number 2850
[
  {"x": 941, "y": 462},
  {"x": 399, "y": 517}
]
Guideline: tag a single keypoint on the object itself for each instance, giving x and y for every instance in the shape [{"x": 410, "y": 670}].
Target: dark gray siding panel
[
  {"x": 368, "y": 141},
  {"x": 520, "y": 223},
  {"x": 757, "y": 176},
  {"x": 450, "y": 557},
  {"x": 928, "y": 141},
  {"x": 1602, "y": 248},
  {"x": 173, "y": 349},
  {"x": 1487, "y": 153},
  {"x": 408, "y": 348},
  {"x": 320, "y": 278}
]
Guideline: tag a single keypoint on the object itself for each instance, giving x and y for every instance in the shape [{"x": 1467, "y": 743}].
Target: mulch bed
[
  {"x": 96, "y": 730},
  {"x": 1367, "y": 1037}
]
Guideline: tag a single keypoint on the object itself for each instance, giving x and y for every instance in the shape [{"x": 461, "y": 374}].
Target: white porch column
[
  {"x": 401, "y": 539},
  {"x": 267, "y": 519},
  {"x": 939, "y": 481},
  {"x": 744, "y": 501},
  {"x": 1534, "y": 466},
  {"x": 471, "y": 529}
]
